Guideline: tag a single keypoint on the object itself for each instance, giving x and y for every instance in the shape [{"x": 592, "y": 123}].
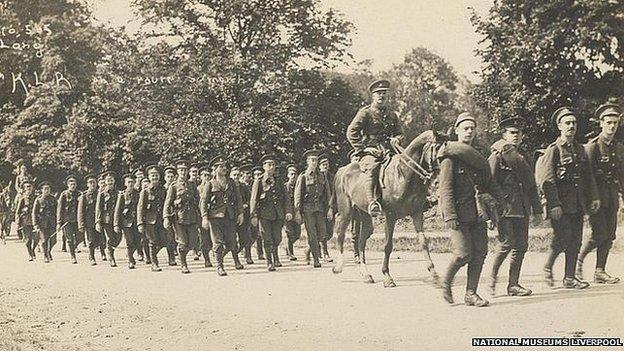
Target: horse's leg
[
  {"x": 343, "y": 218},
  {"x": 423, "y": 241},
  {"x": 365, "y": 233},
  {"x": 388, "y": 245}
]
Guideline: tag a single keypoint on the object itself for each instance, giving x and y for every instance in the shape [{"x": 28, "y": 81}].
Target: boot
[
  {"x": 111, "y": 257},
  {"x": 291, "y": 251},
  {"x": 206, "y": 255},
  {"x": 195, "y": 255},
  {"x": 103, "y": 253},
  {"x": 237, "y": 264},
  {"x": 153, "y": 250},
  {"x": 317, "y": 262},
  {"x": 91, "y": 256},
  {"x": 171, "y": 254},
  {"x": 140, "y": 253},
  {"x": 326, "y": 256},
  {"x": 518, "y": 290},
  {"x": 72, "y": 252},
  {"x": 64, "y": 247},
  {"x": 602, "y": 277},
  {"x": 472, "y": 299},
  {"x": 184, "y": 268},
  {"x": 447, "y": 293},
  {"x": 574, "y": 283},
  {"x": 248, "y": 259},
  {"x": 269, "y": 259},
  {"x": 276, "y": 260},
  {"x": 259, "y": 249}
]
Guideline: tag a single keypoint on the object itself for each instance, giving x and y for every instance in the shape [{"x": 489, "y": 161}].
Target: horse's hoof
[
  {"x": 368, "y": 279},
  {"x": 389, "y": 283},
  {"x": 337, "y": 270}
]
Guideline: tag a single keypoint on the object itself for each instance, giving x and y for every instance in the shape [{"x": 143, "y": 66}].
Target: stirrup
[{"x": 374, "y": 208}]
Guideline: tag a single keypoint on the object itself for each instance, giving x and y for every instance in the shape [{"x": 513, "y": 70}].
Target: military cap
[
  {"x": 292, "y": 165},
  {"x": 108, "y": 173},
  {"x": 258, "y": 168},
  {"x": 152, "y": 168},
  {"x": 560, "y": 113},
  {"x": 90, "y": 176},
  {"x": 379, "y": 85},
  {"x": 517, "y": 122},
  {"x": 217, "y": 161},
  {"x": 44, "y": 183},
  {"x": 195, "y": 165},
  {"x": 70, "y": 177},
  {"x": 608, "y": 109},
  {"x": 128, "y": 175},
  {"x": 268, "y": 157},
  {"x": 170, "y": 169},
  {"x": 351, "y": 153},
  {"x": 182, "y": 163},
  {"x": 323, "y": 158},
  {"x": 138, "y": 169},
  {"x": 204, "y": 168},
  {"x": 311, "y": 152},
  {"x": 27, "y": 181},
  {"x": 463, "y": 117},
  {"x": 246, "y": 167}
]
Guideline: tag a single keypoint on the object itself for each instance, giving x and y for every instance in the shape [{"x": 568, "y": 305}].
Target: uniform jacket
[
  {"x": 44, "y": 212},
  {"x": 126, "y": 208},
  {"x": 518, "y": 199},
  {"x": 23, "y": 210},
  {"x": 182, "y": 202},
  {"x": 269, "y": 199},
  {"x": 311, "y": 192},
  {"x": 86, "y": 209},
  {"x": 151, "y": 204},
  {"x": 371, "y": 128},
  {"x": 606, "y": 161},
  {"x": 105, "y": 206},
  {"x": 67, "y": 209},
  {"x": 219, "y": 201},
  {"x": 569, "y": 179}
]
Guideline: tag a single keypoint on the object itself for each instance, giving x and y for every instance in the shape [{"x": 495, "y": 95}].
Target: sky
[{"x": 385, "y": 30}]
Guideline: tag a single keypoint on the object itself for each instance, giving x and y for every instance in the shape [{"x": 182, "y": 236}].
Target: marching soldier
[
  {"x": 372, "y": 129},
  {"x": 221, "y": 210},
  {"x": 569, "y": 187},
  {"x": 44, "y": 219},
  {"x": 323, "y": 166},
  {"x": 101, "y": 184},
  {"x": 292, "y": 228},
  {"x": 269, "y": 207},
  {"x": 23, "y": 217},
  {"x": 245, "y": 191},
  {"x": 172, "y": 245},
  {"x": 258, "y": 171},
  {"x": 194, "y": 178},
  {"x": 310, "y": 201},
  {"x": 149, "y": 216},
  {"x": 124, "y": 220},
  {"x": 86, "y": 219},
  {"x": 105, "y": 213},
  {"x": 460, "y": 182},
  {"x": 181, "y": 212},
  {"x": 139, "y": 177},
  {"x": 67, "y": 214},
  {"x": 205, "y": 240},
  {"x": 514, "y": 176},
  {"x": 602, "y": 152}
]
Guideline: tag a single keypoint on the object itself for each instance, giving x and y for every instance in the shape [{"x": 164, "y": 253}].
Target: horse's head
[{"x": 430, "y": 151}]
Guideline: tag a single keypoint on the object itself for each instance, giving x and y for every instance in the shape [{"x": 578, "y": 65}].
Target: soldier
[
  {"x": 569, "y": 187},
  {"x": 101, "y": 184},
  {"x": 221, "y": 210},
  {"x": 323, "y": 166},
  {"x": 373, "y": 128},
  {"x": 235, "y": 174},
  {"x": 149, "y": 216},
  {"x": 310, "y": 200},
  {"x": 269, "y": 206},
  {"x": 602, "y": 152},
  {"x": 258, "y": 171},
  {"x": 86, "y": 219},
  {"x": 292, "y": 228},
  {"x": 23, "y": 217},
  {"x": 194, "y": 178},
  {"x": 205, "y": 240},
  {"x": 460, "y": 181},
  {"x": 44, "y": 219},
  {"x": 172, "y": 245},
  {"x": 356, "y": 223},
  {"x": 514, "y": 176},
  {"x": 139, "y": 176},
  {"x": 67, "y": 214},
  {"x": 245, "y": 191},
  {"x": 125, "y": 219},
  {"x": 104, "y": 215},
  {"x": 145, "y": 183},
  {"x": 181, "y": 212}
]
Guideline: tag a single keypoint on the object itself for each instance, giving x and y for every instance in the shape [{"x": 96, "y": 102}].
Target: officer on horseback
[{"x": 373, "y": 129}]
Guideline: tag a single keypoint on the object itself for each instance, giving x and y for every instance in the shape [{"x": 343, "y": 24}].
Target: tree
[{"x": 542, "y": 55}]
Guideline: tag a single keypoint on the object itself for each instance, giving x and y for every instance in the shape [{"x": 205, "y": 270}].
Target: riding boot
[
  {"x": 374, "y": 207},
  {"x": 130, "y": 253},
  {"x": 184, "y": 266},
  {"x": 206, "y": 254},
  {"x": 139, "y": 251},
  {"x": 515, "y": 265},
  {"x": 219, "y": 255},
  {"x": 269, "y": 258},
  {"x": 317, "y": 262}
]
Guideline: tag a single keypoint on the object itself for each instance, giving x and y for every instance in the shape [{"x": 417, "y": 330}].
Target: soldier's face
[
  {"x": 257, "y": 174},
  {"x": 324, "y": 166},
  {"x": 246, "y": 177},
  {"x": 466, "y": 131},
  {"x": 513, "y": 135},
  {"x": 379, "y": 98},
  {"x": 312, "y": 162},
  {"x": 234, "y": 174},
  {"x": 169, "y": 177},
  {"x": 129, "y": 182},
  {"x": 110, "y": 182},
  {"x": 222, "y": 170},
  {"x": 292, "y": 173},
  {"x": 609, "y": 125},
  {"x": 91, "y": 184},
  {"x": 102, "y": 183},
  {"x": 27, "y": 188},
  {"x": 154, "y": 177},
  {"x": 205, "y": 176},
  {"x": 139, "y": 176},
  {"x": 145, "y": 183},
  {"x": 269, "y": 166},
  {"x": 71, "y": 184},
  {"x": 567, "y": 126},
  {"x": 194, "y": 173},
  {"x": 182, "y": 172},
  {"x": 45, "y": 190}
]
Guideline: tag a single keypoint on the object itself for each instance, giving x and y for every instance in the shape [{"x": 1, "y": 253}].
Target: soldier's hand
[
  {"x": 556, "y": 213},
  {"x": 254, "y": 221},
  {"x": 289, "y": 217},
  {"x": 241, "y": 219},
  {"x": 595, "y": 206},
  {"x": 167, "y": 223},
  {"x": 117, "y": 229},
  {"x": 452, "y": 224},
  {"x": 491, "y": 224},
  {"x": 98, "y": 227},
  {"x": 142, "y": 229}
]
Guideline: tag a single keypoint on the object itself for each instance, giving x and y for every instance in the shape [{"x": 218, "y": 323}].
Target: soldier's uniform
[
  {"x": 44, "y": 219},
  {"x": 520, "y": 200},
  {"x": 172, "y": 245},
  {"x": 569, "y": 184},
  {"x": 369, "y": 134},
  {"x": 205, "y": 239},
  {"x": 605, "y": 158},
  {"x": 252, "y": 232},
  {"x": 125, "y": 220},
  {"x": 149, "y": 217},
  {"x": 86, "y": 222},
  {"x": 221, "y": 204},
  {"x": 269, "y": 204},
  {"x": 23, "y": 218},
  {"x": 310, "y": 201},
  {"x": 329, "y": 223},
  {"x": 104, "y": 216},
  {"x": 292, "y": 228},
  {"x": 181, "y": 210},
  {"x": 460, "y": 182},
  {"x": 67, "y": 216}
]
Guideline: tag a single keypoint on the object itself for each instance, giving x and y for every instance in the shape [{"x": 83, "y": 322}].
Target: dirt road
[{"x": 60, "y": 306}]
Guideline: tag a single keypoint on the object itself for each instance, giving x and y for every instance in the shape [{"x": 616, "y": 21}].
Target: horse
[
  {"x": 7, "y": 212},
  {"x": 405, "y": 186}
]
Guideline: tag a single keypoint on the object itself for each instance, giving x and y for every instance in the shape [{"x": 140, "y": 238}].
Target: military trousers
[
  {"x": 271, "y": 232},
  {"x": 603, "y": 225},
  {"x": 316, "y": 228},
  {"x": 244, "y": 235},
  {"x": 469, "y": 247},
  {"x": 568, "y": 233},
  {"x": 70, "y": 232},
  {"x": 29, "y": 238},
  {"x": 94, "y": 238},
  {"x": 112, "y": 238},
  {"x": 47, "y": 239},
  {"x": 513, "y": 236},
  {"x": 293, "y": 231},
  {"x": 186, "y": 236},
  {"x": 223, "y": 233}
]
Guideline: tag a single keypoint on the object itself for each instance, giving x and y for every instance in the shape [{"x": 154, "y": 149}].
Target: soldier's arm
[
  {"x": 168, "y": 207},
  {"x": 204, "y": 199},
  {"x": 549, "y": 186},
  {"x": 18, "y": 208},
  {"x": 445, "y": 190},
  {"x": 253, "y": 200},
  {"x": 141, "y": 207},
  {"x": 288, "y": 206},
  {"x": 98, "y": 207},
  {"x": 238, "y": 198},
  {"x": 81, "y": 212},
  {"x": 590, "y": 179},
  {"x": 35, "y": 210},
  {"x": 620, "y": 166},
  {"x": 354, "y": 130},
  {"x": 298, "y": 193},
  {"x": 398, "y": 128},
  {"x": 59, "y": 210},
  {"x": 117, "y": 213}
]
